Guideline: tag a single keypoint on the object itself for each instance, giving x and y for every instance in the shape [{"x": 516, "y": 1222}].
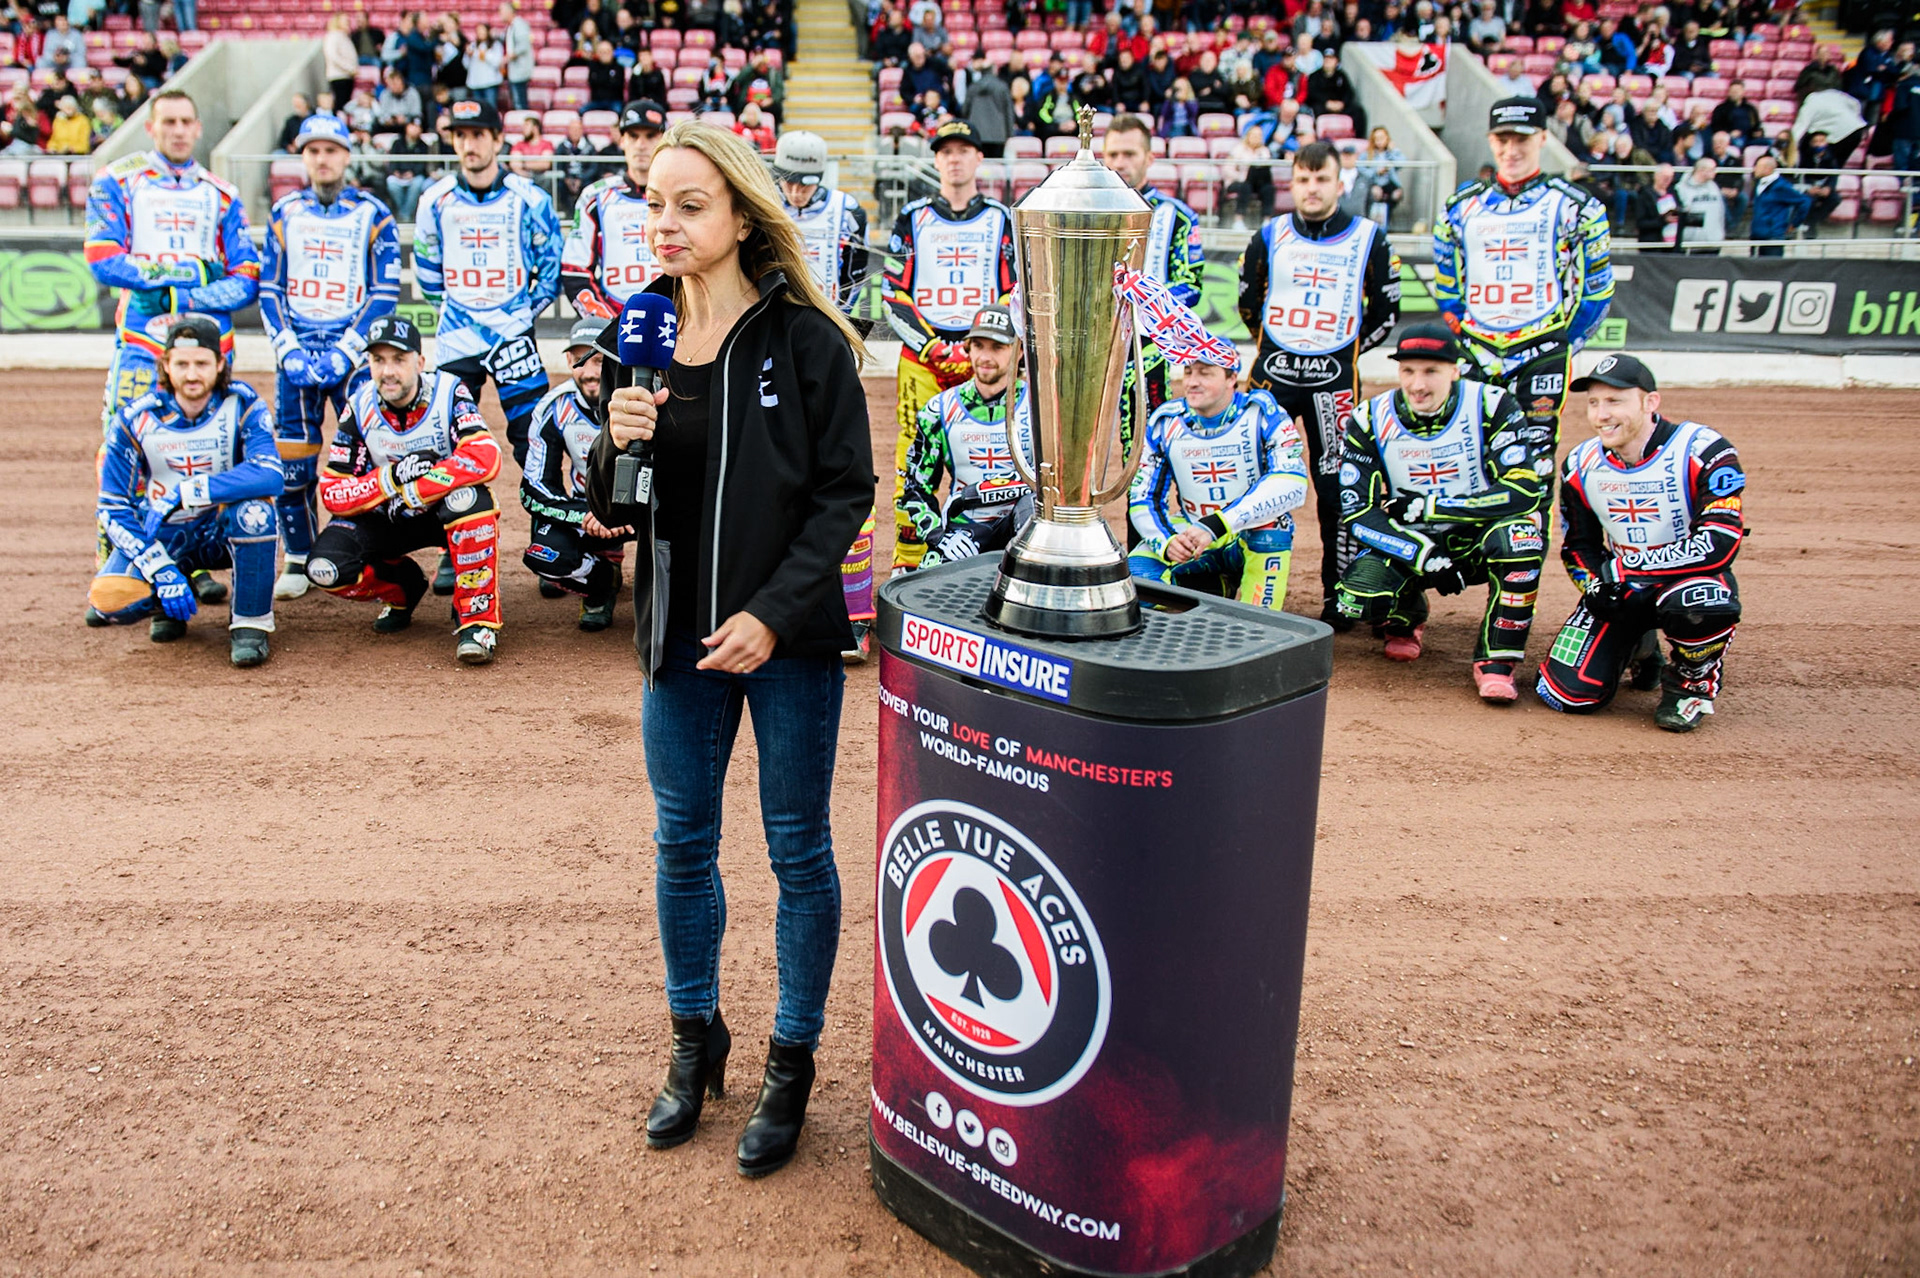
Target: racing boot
[
  {"x": 1643, "y": 670},
  {"x": 207, "y": 588},
  {"x": 1493, "y": 680},
  {"x": 94, "y": 618},
  {"x": 1681, "y": 711},
  {"x": 1330, "y": 614},
  {"x": 1404, "y": 643},
  {"x": 293, "y": 579},
  {"x": 862, "y": 644},
  {"x": 474, "y": 645},
  {"x": 394, "y": 618},
  {"x": 596, "y": 614},
  {"x": 443, "y": 575},
  {"x": 696, "y": 1069},
  {"x": 550, "y": 591},
  {"x": 164, "y": 629},
  {"x": 248, "y": 647},
  {"x": 773, "y": 1132}
]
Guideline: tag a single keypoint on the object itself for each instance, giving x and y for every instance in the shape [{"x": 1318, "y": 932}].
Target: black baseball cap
[
  {"x": 392, "y": 330},
  {"x": 956, "y": 131},
  {"x": 195, "y": 329},
  {"x": 995, "y": 323},
  {"x": 1622, "y": 371},
  {"x": 473, "y": 113},
  {"x": 1517, "y": 115},
  {"x": 1429, "y": 340},
  {"x": 644, "y": 113}
]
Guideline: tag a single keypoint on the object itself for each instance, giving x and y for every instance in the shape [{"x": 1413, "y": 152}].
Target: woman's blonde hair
[{"x": 773, "y": 241}]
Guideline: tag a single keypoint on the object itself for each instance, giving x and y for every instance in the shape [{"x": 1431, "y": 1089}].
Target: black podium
[{"x": 1094, "y": 862}]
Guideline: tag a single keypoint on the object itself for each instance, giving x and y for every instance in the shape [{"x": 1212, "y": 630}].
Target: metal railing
[{"x": 1848, "y": 184}]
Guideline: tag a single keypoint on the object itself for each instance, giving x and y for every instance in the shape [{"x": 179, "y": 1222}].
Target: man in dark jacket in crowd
[{"x": 1777, "y": 207}]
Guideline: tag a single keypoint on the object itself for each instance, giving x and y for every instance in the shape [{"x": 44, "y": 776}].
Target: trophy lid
[{"x": 1083, "y": 185}]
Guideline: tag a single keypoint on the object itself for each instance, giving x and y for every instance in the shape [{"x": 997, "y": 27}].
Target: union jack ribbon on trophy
[{"x": 1174, "y": 328}]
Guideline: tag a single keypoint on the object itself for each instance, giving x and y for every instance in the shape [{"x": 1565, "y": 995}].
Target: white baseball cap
[{"x": 800, "y": 157}]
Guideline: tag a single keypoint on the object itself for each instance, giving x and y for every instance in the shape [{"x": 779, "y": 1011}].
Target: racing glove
[
  {"x": 403, "y": 476},
  {"x": 1443, "y": 575},
  {"x": 1408, "y": 508},
  {"x": 329, "y": 367},
  {"x": 176, "y": 595},
  {"x": 958, "y": 544},
  {"x": 1604, "y": 598}
]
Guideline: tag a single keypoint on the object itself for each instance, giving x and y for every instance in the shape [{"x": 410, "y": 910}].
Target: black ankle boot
[
  {"x": 696, "y": 1069},
  {"x": 773, "y": 1132}
]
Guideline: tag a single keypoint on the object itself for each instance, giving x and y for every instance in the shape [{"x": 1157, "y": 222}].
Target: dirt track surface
[{"x": 348, "y": 965}]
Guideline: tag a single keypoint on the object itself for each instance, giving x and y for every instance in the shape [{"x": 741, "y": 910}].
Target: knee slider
[
  {"x": 1268, "y": 541},
  {"x": 464, "y": 503},
  {"x": 1695, "y": 606},
  {"x": 1555, "y": 699},
  {"x": 1516, "y": 541}
]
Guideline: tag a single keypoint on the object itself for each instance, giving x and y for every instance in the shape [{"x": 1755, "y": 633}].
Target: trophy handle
[
  {"x": 1132, "y": 461},
  {"x": 1013, "y": 436}
]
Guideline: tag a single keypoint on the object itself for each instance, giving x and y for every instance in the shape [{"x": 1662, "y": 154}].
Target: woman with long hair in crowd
[{"x": 763, "y": 475}]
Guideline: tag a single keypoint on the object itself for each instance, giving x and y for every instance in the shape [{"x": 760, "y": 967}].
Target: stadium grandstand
[{"x": 1231, "y": 90}]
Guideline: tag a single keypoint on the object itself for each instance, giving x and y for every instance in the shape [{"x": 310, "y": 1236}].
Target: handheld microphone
[{"x": 648, "y": 327}]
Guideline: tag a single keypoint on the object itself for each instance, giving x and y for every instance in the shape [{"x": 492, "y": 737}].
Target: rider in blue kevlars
[
  {"x": 187, "y": 483},
  {"x": 331, "y": 268}
]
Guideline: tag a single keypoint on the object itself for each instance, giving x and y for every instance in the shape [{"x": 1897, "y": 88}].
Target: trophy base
[{"x": 1064, "y": 580}]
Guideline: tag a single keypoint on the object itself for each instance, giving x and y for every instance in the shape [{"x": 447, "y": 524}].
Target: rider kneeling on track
[
  {"x": 1651, "y": 509},
  {"x": 1221, "y": 470},
  {"x": 570, "y": 548},
  {"x": 187, "y": 483},
  {"x": 408, "y": 470},
  {"x": 1444, "y": 485},
  {"x": 962, "y": 433}
]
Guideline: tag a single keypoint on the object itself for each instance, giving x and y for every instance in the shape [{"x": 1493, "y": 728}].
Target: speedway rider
[
  {"x": 1444, "y": 485},
  {"x": 571, "y": 548},
  {"x": 408, "y": 469},
  {"x": 833, "y": 228},
  {"x": 172, "y": 238},
  {"x": 331, "y": 268},
  {"x": 962, "y": 435},
  {"x": 606, "y": 259},
  {"x": 955, "y": 254},
  {"x": 187, "y": 482},
  {"x": 1318, "y": 286},
  {"x": 486, "y": 250},
  {"x": 1221, "y": 470},
  {"x": 1522, "y": 266},
  {"x": 1652, "y": 517},
  {"x": 1175, "y": 256}
]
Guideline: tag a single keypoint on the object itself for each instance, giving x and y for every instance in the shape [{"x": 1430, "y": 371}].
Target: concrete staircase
[
  {"x": 830, "y": 91},
  {"x": 1823, "y": 20}
]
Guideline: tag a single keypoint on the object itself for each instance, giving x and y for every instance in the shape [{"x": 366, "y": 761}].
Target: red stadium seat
[
  {"x": 996, "y": 40},
  {"x": 602, "y": 121},
  {"x": 1164, "y": 174},
  {"x": 1637, "y": 86},
  {"x": 681, "y": 100},
  {"x": 1781, "y": 87},
  {"x": 664, "y": 38},
  {"x": 559, "y": 38},
  {"x": 698, "y": 38},
  {"x": 1753, "y": 69},
  {"x": 1777, "y": 111},
  {"x": 1333, "y": 126},
  {"x": 516, "y": 120},
  {"x": 1187, "y": 149},
  {"x": 1549, "y": 44},
  {"x": 1061, "y": 148},
  {"x": 889, "y": 79},
  {"x": 1028, "y": 38},
  {"x": 1200, "y": 185},
  {"x": 1709, "y": 88},
  {"x": 285, "y": 177},
  {"x": 556, "y": 122},
  {"x": 891, "y": 120},
  {"x": 546, "y": 77},
  {"x": 1538, "y": 66},
  {"x": 1800, "y": 51},
  {"x": 1023, "y": 148},
  {"x": 550, "y": 58},
  {"x": 13, "y": 183},
  {"x": 678, "y": 117},
  {"x": 992, "y": 178},
  {"x": 1519, "y": 44},
  {"x": 574, "y": 77},
  {"x": 1886, "y": 204},
  {"x": 574, "y": 98},
  {"x": 733, "y": 59},
  {"x": 1216, "y": 124},
  {"x": 1599, "y": 85},
  {"x": 1848, "y": 209},
  {"x": 1027, "y": 174},
  {"x": 686, "y": 77},
  {"x": 1723, "y": 50}
]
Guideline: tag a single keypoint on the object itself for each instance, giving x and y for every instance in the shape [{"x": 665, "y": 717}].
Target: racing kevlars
[
  {"x": 833, "y": 229},
  {"x": 1318, "y": 286},
  {"x": 408, "y": 469},
  {"x": 187, "y": 483},
  {"x": 1175, "y": 256},
  {"x": 1444, "y": 485},
  {"x": 1651, "y": 511},
  {"x": 962, "y": 436},
  {"x": 486, "y": 250},
  {"x": 955, "y": 255},
  {"x": 571, "y": 548},
  {"x": 606, "y": 259},
  {"x": 172, "y": 238},
  {"x": 331, "y": 268},
  {"x": 1221, "y": 470},
  {"x": 1522, "y": 266}
]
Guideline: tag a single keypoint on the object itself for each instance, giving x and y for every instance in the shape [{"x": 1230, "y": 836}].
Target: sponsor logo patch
[
  {"x": 991, "y": 660},
  {"x": 994, "y": 967}
]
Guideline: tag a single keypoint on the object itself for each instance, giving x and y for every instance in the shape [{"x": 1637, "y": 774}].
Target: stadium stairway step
[{"x": 830, "y": 87}]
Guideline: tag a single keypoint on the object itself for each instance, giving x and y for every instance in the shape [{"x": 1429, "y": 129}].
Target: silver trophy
[{"x": 1065, "y": 576}]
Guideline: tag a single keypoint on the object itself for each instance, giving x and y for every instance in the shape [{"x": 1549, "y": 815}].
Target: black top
[
  {"x": 680, "y": 479},
  {"x": 788, "y": 480}
]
